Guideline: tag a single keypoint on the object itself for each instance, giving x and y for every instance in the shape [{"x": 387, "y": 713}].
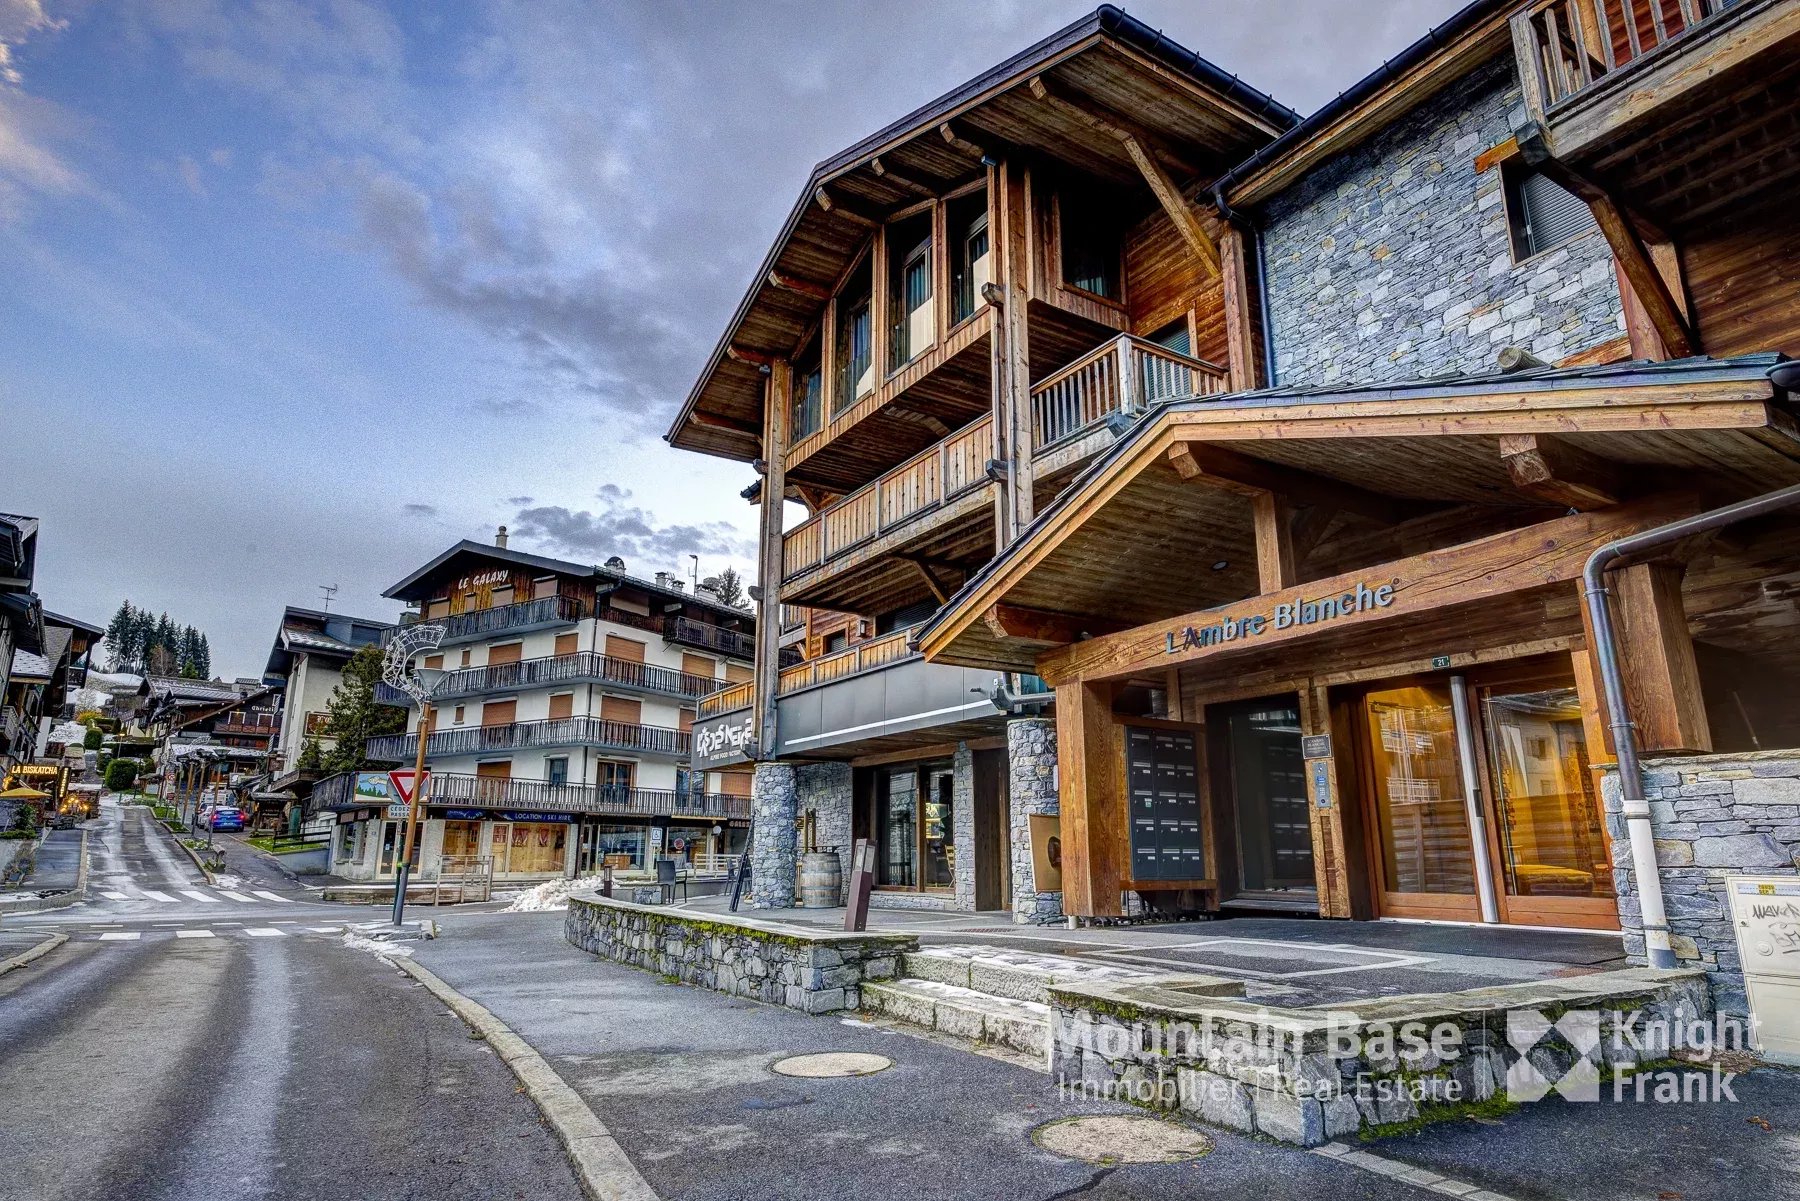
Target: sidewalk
[{"x": 683, "y": 1078}]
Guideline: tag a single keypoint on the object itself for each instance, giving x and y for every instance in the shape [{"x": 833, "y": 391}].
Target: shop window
[
  {"x": 855, "y": 341},
  {"x": 972, "y": 265},
  {"x": 913, "y": 322},
  {"x": 537, "y": 848},
  {"x": 1090, "y": 243},
  {"x": 1541, "y": 214},
  {"x": 915, "y": 828}
]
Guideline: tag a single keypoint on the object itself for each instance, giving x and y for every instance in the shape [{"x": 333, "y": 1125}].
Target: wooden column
[
  {"x": 1091, "y": 769},
  {"x": 1241, "y": 359},
  {"x": 1273, "y": 518},
  {"x": 1662, "y": 680},
  {"x": 778, "y": 398},
  {"x": 1325, "y": 808},
  {"x": 1009, "y": 223}
]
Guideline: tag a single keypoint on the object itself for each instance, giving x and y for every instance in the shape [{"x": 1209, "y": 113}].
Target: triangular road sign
[{"x": 403, "y": 784}]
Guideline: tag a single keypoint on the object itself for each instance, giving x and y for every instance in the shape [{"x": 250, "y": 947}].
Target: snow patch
[
  {"x": 377, "y": 947},
  {"x": 221, "y": 880},
  {"x": 550, "y": 896},
  {"x": 69, "y": 733}
]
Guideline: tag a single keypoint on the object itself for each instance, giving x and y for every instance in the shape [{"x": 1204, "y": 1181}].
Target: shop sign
[
  {"x": 1286, "y": 615},
  {"x": 465, "y": 815},
  {"x": 372, "y": 788},
  {"x": 483, "y": 579},
  {"x": 507, "y": 815},
  {"x": 723, "y": 740}
]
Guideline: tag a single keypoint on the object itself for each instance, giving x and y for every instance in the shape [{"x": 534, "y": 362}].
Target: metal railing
[
  {"x": 1572, "y": 44},
  {"x": 732, "y": 696},
  {"x": 562, "y": 669},
  {"x": 1123, "y": 376},
  {"x": 687, "y": 631},
  {"x": 545, "y": 797},
  {"x": 546, "y": 610},
  {"x": 520, "y": 735}
]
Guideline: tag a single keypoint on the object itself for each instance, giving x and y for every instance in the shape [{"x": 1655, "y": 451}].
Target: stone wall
[
  {"x": 1712, "y": 816},
  {"x": 1031, "y": 788},
  {"x": 1394, "y": 261},
  {"x": 774, "y": 804},
  {"x": 799, "y": 967},
  {"x": 825, "y": 789}
]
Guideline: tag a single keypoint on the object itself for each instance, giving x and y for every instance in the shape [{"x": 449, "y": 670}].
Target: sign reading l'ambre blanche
[{"x": 1286, "y": 615}]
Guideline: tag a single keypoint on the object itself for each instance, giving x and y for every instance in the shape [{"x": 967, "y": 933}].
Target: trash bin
[{"x": 665, "y": 870}]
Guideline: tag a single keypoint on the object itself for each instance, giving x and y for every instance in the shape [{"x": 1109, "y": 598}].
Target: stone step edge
[
  {"x": 1018, "y": 982},
  {"x": 961, "y": 1013}
]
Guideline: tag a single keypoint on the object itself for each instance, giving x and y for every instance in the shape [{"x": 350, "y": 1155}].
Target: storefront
[{"x": 1329, "y": 654}]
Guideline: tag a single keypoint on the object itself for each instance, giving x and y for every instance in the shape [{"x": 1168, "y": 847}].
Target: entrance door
[
  {"x": 1258, "y": 764},
  {"x": 1425, "y": 865}
]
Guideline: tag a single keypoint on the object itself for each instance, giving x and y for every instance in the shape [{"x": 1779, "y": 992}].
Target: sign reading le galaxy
[{"x": 1287, "y": 614}]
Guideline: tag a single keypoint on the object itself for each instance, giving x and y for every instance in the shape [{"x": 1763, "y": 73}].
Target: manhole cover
[
  {"x": 1123, "y": 1139},
  {"x": 833, "y": 1063}
]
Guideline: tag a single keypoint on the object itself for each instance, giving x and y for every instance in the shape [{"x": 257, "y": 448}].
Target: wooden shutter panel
[
  {"x": 699, "y": 665},
  {"x": 562, "y": 705},
  {"x": 494, "y": 771},
  {"x": 625, "y": 648},
  {"x": 734, "y": 783},
  {"x": 510, "y": 652},
  {"x": 565, "y": 644},
  {"x": 618, "y": 708},
  {"x": 434, "y": 662},
  {"x": 499, "y": 713},
  {"x": 686, "y": 721},
  {"x": 737, "y": 673}
]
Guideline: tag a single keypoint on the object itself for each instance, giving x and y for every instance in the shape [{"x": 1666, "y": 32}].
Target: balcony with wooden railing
[
  {"x": 726, "y": 699},
  {"x": 865, "y": 656},
  {"x": 544, "y": 613},
  {"x": 1126, "y": 375}
]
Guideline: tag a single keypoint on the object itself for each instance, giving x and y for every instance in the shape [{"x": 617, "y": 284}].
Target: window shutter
[{"x": 1553, "y": 215}]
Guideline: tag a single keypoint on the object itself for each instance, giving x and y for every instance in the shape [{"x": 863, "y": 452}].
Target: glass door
[
  {"x": 1266, "y": 776},
  {"x": 940, "y": 828},
  {"x": 1425, "y": 853},
  {"x": 897, "y": 829}
]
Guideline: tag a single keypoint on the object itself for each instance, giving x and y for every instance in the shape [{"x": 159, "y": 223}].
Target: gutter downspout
[{"x": 1606, "y": 654}]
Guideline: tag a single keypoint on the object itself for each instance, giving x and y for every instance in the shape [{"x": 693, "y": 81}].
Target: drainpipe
[{"x": 1624, "y": 730}]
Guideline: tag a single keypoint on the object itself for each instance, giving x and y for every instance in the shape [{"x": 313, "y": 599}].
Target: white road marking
[
  {"x": 115, "y": 896},
  {"x": 200, "y": 896},
  {"x": 160, "y": 896},
  {"x": 120, "y": 936},
  {"x": 269, "y": 896},
  {"x": 195, "y": 934},
  {"x": 264, "y": 932},
  {"x": 237, "y": 896}
]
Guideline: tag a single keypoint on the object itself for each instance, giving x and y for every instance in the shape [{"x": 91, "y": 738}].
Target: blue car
[{"x": 226, "y": 818}]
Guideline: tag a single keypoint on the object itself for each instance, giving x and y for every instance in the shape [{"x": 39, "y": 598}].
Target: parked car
[{"x": 225, "y": 817}]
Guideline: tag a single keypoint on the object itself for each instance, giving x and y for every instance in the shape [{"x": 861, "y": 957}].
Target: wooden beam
[
  {"x": 766, "y": 672},
  {"x": 1091, "y": 776},
  {"x": 1009, "y": 350},
  {"x": 1241, "y": 359},
  {"x": 1042, "y": 626},
  {"x": 1535, "y": 556},
  {"x": 1662, "y": 679},
  {"x": 838, "y": 208},
  {"x": 1104, "y": 120},
  {"x": 1181, "y": 213},
  {"x": 955, "y": 137},
  {"x": 1272, "y": 518},
  {"x": 888, "y": 175},
  {"x": 751, "y": 358},
  {"x": 714, "y": 421},
  {"x": 938, "y": 592},
  {"x": 1210, "y": 463},
  {"x": 1549, "y": 469},
  {"x": 805, "y": 287},
  {"x": 1495, "y": 155}
]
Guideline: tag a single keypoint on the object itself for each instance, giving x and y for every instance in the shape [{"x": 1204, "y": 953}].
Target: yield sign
[{"x": 404, "y": 784}]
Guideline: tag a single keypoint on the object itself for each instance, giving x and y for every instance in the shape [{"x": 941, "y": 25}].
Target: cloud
[
  {"x": 28, "y": 125},
  {"x": 189, "y": 170},
  {"x": 518, "y": 502},
  {"x": 629, "y": 530},
  {"x": 19, "y": 19},
  {"x": 417, "y": 509}
]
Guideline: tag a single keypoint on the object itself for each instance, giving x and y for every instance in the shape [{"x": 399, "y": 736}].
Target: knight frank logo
[
  {"x": 1528, "y": 1080},
  {"x": 1580, "y": 1052}
]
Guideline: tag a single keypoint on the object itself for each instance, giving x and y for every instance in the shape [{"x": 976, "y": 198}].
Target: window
[
  {"x": 809, "y": 395},
  {"x": 1541, "y": 213},
  {"x": 899, "y": 619},
  {"x": 967, "y": 222},
  {"x": 556, "y": 771},
  {"x": 855, "y": 345},
  {"x": 914, "y": 321},
  {"x": 1089, "y": 238},
  {"x": 915, "y": 827},
  {"x": 837, "y": 642}
]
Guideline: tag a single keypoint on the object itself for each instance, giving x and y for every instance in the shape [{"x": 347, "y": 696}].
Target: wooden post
[
  {"x": 1274, "y": 542},
  {"x": 1010, "y": 342},
  {"x": 1091, "y": 770},
  {"x": 1325, "y": 808},
  {"x": 778, "y": 394},
  {"x": 1242, "y": 364},
  {"x": 1662, "y": 680}
]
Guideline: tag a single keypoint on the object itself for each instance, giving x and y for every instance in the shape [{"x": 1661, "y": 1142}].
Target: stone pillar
[
  {"x": 774, "y": 803},
  {"x": 825, "y": 788},
  {"x": 962, "y": 827},
  {"x": 1031, "y": 788}
]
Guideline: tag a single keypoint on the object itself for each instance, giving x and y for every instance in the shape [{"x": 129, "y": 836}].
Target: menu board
[{"x": 1162, "y": 780}]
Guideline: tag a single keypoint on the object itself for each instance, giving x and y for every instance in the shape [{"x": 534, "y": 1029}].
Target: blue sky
[{"x": 299, "y": 293}]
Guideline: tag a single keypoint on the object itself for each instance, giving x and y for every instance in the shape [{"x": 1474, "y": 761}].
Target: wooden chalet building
[{"x": 1275, "y": 449}]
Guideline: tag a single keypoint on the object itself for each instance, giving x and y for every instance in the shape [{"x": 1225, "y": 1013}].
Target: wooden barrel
[{"x": 821, "y": 880}]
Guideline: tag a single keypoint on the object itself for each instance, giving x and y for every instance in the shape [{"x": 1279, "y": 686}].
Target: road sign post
[{"x": 398, "y": 671}]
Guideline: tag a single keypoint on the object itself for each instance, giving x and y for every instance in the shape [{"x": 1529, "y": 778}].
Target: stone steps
[
  {"x": 1023, "y": 976},
  {"x": 964, "y": 1013}
]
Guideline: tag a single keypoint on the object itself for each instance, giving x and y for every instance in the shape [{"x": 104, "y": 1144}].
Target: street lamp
[{"x": 397, "y": 671}]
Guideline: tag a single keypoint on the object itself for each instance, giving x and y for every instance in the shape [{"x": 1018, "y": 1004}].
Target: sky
[{"x": 299, "y": 294}]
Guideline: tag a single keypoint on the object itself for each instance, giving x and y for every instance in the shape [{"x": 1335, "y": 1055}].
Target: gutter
[{"x": 1624, "y": 730}]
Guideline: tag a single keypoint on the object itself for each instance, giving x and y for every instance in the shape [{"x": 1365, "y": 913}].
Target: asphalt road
[{"x": 195, "y": 1049}]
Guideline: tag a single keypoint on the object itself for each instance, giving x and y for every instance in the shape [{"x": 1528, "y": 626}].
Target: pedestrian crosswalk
[
  {"x": 216, "y": 896},
  {"x": 215, "y": 930}
]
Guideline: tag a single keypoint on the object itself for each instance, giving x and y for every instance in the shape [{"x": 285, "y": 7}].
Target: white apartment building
[
  {"x": 560, "y": 735},
  {"x": 306, "y": 661}
]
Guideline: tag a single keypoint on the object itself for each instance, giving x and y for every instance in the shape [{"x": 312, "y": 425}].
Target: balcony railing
[
  {"x": 255, "y": 729},
  {"x": 1124, "y": 376},
  {"x": 542, "y": 796},
  {"x": 625, "y": 617},
  {"x": 523, "y": 735},
  {"x": 502, "y": 619},
  {"x": 687, "y": 632},
  {"x": 865, "y": 656},
  {"x": 563, "y": 669},
  {"x": 732, "y": 696},
  {"x": 1573, "y": 44},
  {"x": 922, "y": 483}
]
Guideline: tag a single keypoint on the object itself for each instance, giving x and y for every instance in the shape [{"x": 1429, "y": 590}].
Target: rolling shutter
[
  {"x": 1553, "y": 215},
  {"x": 628, "y": 649},
  {"x": 618, "y": 708}
]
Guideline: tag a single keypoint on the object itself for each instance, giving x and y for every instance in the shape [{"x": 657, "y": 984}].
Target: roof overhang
[
  {"x": 417, "y": 585},
  {"x": 1136, "y": 539},
  {"x": 1106, "y": 58}
]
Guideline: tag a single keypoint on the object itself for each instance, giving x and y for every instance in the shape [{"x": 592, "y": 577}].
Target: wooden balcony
[
  {"x": 582, "y": 667},
  {"x": 1126, "y": 375},
  {"x": 1678, "y": 104},
  {"x": 544, "y": 613},
  {"x": 865, "y": 656}
]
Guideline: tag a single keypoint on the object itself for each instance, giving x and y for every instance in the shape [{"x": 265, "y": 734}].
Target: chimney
[
  {"x": 662, "y": 579},
  {"x": 500, "y": 538}
]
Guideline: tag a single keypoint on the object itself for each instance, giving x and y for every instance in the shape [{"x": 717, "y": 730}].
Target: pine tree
[
  {"x": 119, "y": 632},
  {"x": 202, "y": 657},
  {"x": 729, "y": 587},
  {"x": 353, "y": 716},
  {"x": 143, "y": 629}
]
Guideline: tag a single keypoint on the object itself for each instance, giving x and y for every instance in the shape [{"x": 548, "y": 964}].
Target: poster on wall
[{"x": 1046, "y": 852}]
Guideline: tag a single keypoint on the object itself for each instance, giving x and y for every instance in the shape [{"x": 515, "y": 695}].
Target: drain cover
[
  {"x": 1122, "y": 1139},
  {"x": 833, "y": 1063}
]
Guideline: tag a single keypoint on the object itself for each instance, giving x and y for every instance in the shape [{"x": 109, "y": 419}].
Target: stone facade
[
  {"x": 774, "y": 804},
  {"x": 799, "y": 967},
  {"x": 1712, "y": 816},
  {"x": 1031, "y": 788},
  {"x": 962, "y": 815},
  {"x": 825, "y": 790},
  {"x": 1394, "y": 261}
]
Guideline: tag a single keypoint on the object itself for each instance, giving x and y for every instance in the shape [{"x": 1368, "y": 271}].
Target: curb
[
  {"x": 38, "y": 952},
  {"x": 605, "y": 1172},
  {"x": 195, "y": 856}
]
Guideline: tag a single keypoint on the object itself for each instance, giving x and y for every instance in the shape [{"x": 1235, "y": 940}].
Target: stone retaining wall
[
  {"x": 802, "y": 968},
  {"x": 1713, "y": 816},
  {"x": 1308, "y": 1075}
]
